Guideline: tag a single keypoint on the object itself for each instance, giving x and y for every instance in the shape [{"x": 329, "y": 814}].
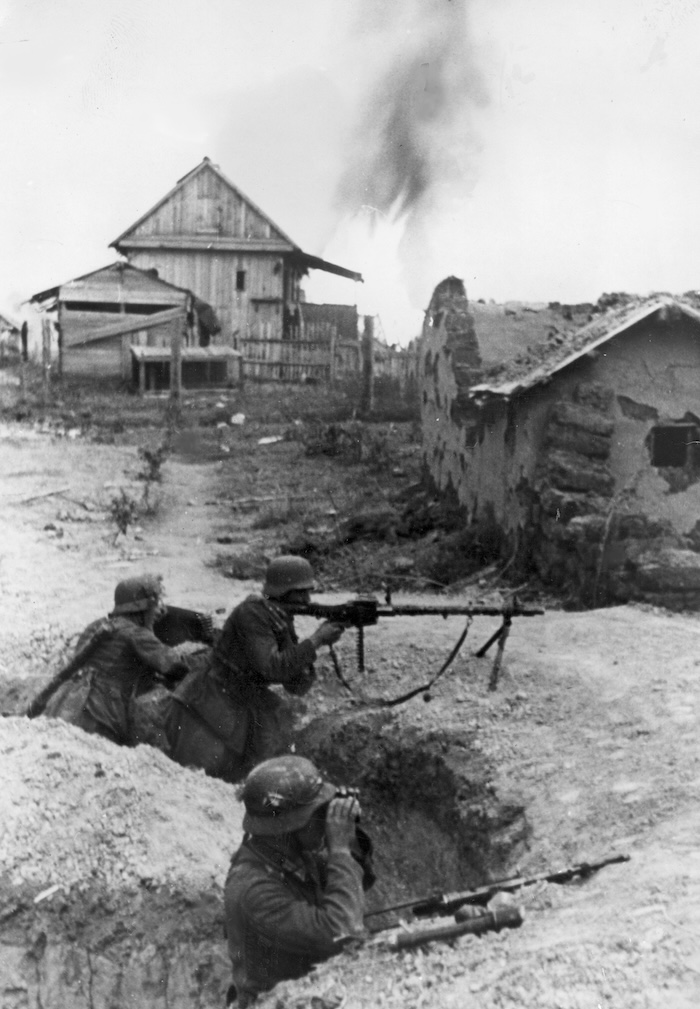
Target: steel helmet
[
  {"x": 281, "y": 794},
  {"x": 135, "y": 595},
  {"x": 286, "y": 573}
]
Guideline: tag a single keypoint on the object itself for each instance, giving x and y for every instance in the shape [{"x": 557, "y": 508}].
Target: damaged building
[{"x": 582, "y": 451}]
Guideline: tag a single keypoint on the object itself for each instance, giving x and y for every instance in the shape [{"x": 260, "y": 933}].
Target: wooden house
[
  {"x": 582, "y": 450},
  {"x": 104, "y": 316},
  {"x": 207, "y": 236}
]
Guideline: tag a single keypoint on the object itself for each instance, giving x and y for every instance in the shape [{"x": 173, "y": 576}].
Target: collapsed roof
[{"x": 539, "y": 363}]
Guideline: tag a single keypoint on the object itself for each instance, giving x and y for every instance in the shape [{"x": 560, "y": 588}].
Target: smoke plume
[{"x": 414, "y": 132}]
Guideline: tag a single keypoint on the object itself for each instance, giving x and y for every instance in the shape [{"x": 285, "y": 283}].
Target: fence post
[
  {"x": 367, "y": 399},
  {"x": 176, "y": 363},
  {"x": 332, "y": 372},
  {"x": 45, "y": 360}
]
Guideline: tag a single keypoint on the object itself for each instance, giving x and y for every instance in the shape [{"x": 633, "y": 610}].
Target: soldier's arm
[
  {"x": 297, "y": 927},
  {"x": 264, "y": 657},
  {"x": 156, "y": 656}
]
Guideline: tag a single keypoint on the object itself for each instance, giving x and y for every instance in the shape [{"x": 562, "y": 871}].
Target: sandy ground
[{"x": 594, "y": 723}]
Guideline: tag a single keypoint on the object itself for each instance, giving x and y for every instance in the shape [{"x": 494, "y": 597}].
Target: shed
[
  {"x": 102, "y": 314},
  {"x": 583, "y": 451}
]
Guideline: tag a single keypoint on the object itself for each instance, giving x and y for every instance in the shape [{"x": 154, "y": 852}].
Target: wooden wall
[
  {"x": 212, "y": 277},
  {"x": 111, "y": 357},
  {"x": 206, "y": 205},
  {"x": 102, "y": 359},
  {"x": 77, "y": 327}
]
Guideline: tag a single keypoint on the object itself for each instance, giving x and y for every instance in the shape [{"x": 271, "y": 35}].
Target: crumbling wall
[
  {"x": 572, "y": 492},
  {"x": 449, "y": 363},
  {"x": 564, "y": 468},
  {"x": 483, "y": 455}
]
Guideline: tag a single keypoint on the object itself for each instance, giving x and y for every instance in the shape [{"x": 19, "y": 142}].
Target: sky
[{"x": 541, "y": 150}]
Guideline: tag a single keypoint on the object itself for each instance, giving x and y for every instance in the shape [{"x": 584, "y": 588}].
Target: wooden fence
[
  {"x": 298, "y": 360},
  {"x": 324, "y": 360}
]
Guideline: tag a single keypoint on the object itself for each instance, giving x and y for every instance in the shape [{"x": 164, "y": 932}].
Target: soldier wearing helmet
[
  {"x": 294, "y": 894},
  {"x": 123, "y": 659},
  {"x": 226, "y": 718}
]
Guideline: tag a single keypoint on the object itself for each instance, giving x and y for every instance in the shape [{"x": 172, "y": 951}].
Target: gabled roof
[
  {"x": 144, "y": 276},
  {"x": 204, "y": 165},
  {"x": 278, "y": 242},
  {"x": 541, "y": 363}
]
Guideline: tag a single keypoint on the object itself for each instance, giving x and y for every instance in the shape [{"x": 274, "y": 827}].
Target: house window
[
  {"x": 674, "y": 445},
  {"x": 240, "y": 280}
]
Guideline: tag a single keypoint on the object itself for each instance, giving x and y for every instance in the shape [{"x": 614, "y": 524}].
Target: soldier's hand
[
  {"x": 327, "y": 634},
  {"x": 340, "y": 823}
]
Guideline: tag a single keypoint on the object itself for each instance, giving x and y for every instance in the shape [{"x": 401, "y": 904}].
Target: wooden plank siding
[
  {"x": 111, "y": 355},
  {"x": 212, "y": 275},
  {"x": 207, "y": 206},
  {"x": 106, "y": 359},
  {"x": 269, "y": 360},
  {"x": 81, "y": 327}
]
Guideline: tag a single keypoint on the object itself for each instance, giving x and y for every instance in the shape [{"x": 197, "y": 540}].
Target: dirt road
[{"x": 594, "y": 723}]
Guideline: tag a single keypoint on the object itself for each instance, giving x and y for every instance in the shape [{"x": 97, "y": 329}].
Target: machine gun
[
  {"x": 449, "y": 903},
  {"x": 366, "y": 611}
]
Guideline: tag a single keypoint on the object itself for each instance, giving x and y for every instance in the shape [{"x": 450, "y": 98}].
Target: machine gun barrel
[
  {"x": 475, "y": 610},
  {"x": 366, "y": 612}
]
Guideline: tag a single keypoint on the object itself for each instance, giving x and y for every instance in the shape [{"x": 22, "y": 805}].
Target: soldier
[
  {"x": 294, "y": 894},
  {"x": 122, "y": 659},
  {"x": 226, "y": 718}
]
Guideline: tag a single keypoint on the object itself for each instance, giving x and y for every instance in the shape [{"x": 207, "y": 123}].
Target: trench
[{"x": 428, "y": 801}]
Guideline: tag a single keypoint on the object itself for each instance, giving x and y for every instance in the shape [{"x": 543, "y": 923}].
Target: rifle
[
  {"x": 448, "y": 903},
  {"x": 366, "y": 611}
]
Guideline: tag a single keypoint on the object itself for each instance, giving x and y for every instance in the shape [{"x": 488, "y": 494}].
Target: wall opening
[{"x": 675, "y": 445}]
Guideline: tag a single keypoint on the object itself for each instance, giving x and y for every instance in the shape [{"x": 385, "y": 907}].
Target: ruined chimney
[{"x": 449, "y": 308}]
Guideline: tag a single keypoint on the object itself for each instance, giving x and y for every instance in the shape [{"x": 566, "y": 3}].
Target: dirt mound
[
  {"x": 114, "y": 861},
  {"x": 77, "y": 809}
]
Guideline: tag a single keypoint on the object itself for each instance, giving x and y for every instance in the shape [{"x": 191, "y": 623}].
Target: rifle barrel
[{"x": 481, "y": 895}]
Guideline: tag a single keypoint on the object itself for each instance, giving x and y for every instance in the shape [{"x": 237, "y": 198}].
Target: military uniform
[
  {"x": 124, "y": 664},
  {"x": 294, "y": 894},
  {"x": 283, "y": 916},
  {"x": 258, "y": 646}
]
